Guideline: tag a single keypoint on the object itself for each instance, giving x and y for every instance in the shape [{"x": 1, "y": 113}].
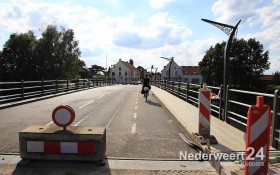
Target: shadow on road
[{"x": 153, "y": 103}]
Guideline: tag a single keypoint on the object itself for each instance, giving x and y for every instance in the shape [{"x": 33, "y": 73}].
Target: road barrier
[
  {"x": 258, "y": 138},
  {"x": 204, "y": 105},
  {"x": 45, "y": 142}
]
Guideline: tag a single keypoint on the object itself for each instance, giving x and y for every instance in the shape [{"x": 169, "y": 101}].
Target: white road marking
[
  {"x": 136, "y": 107},
  {"x": 116, "y": 112},
  {"x": 50, "y": 123},
  {"x": 133, "y": 129},
  {"x": 136, "y": 102},
  {"x": 135, "y": 115},
  {"x": 86, "y": 104},
  {"x": 100, "y": 96}
]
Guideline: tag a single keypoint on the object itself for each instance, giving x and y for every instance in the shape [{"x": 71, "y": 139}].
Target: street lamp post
[
  {"x": 170, "y": 61},
  {"x": 229, "y": 30}
]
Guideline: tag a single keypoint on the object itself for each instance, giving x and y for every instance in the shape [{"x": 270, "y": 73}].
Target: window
[
  {"x": 174, "y": 67},
  {"x": 120, "y": 73},
  {"x": 113, "y": 73},
  {"x": 186, "y": 79},
  {"x": 167, "y": 72},
  {"x": 120, "y": 68},
  {"x": 125, "y": 73},
  {"x": 195, "y": 81}
]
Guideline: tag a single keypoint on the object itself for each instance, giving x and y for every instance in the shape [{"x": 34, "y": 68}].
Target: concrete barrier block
[{"x": 44, "y": 142}]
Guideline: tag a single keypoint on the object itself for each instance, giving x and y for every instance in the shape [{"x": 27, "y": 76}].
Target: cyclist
[{"x": 146, "y": 83}]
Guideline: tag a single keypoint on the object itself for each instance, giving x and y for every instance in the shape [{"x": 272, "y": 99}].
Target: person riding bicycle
[{"x": 146, "y": 83}]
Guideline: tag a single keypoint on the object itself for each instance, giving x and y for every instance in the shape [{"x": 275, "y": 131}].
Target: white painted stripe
[
  {"x": 50, "y": 123},
  {"x": 136, "y": 107},
  {"x": 133, "y": 129},
  {"x": 135, "y": 115},
  {"x": 116, "y": 112},
  {"x": 136, "y": 102},
  {"x": 204, "y": 101},
  {"x": 100, "y": 96},
  {"x": 69, "y": 147},
  {"x": 204, "y": 121},
  {"x": 256, "y": 166},
  {"x": 35, "y": 146},
  {"x": 259, "y": 126},
  {"x": 86, "y": 104}
]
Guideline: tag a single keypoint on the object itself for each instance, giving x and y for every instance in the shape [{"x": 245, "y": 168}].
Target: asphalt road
[{"x": 135, "y": 128}]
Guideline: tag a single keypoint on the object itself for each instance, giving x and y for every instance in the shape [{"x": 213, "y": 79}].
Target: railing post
[
  {"x": 22, "y": 89},
  {"x": 56, "y": 82},
  {"x": 275, "y": 120},
  {"x": 226, "y": 105},
  {"x": 93, "y": 83},
  {"x": 165, "y": 85},
  {"x": 220, "y": 102},
  {"x": 187, "y": 91},
  {"x": 179, "y": 89},
  {"x": 173, "y": 87},
  {"x": 43, "y": 87},
  {"x": 67, "y": 85},
  {"x": 77, "y": 84},
  {"x": 84, "y": 83}
]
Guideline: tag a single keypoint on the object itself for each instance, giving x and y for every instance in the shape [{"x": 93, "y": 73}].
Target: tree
[
  {"x": 131, "y": 61},
  {"x": 247, "y": 63},
  {"x": 276, "y": 78},
  {"x": 95, "y": 70},
  {"x": 17, "y": 57}
]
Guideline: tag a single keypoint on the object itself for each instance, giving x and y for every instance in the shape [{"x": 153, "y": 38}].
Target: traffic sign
[{"x": 63, "y": 116}]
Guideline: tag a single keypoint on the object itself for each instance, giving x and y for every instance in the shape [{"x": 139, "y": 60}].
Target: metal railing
[
  {"x": 15, "y": 91},
  {"x": 235, "y": 105}
]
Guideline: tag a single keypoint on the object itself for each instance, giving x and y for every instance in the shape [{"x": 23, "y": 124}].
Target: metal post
[
  {"x": 179, "y": 90},
  {"x": 84, "y": 83},
  {"x": 67, "y": 85},
  {"x": 275, "y": 120},
  {"x": 226, "y": 104},
  {"x": 78, "y": 84},
  {"x": 56, "y": 82},
  {"x": 187, "y": 92},
  {"x": 43, "y": 87},
  {"x": 173, "y": 87},
  {"x": 165, "y": 85},
  {"x": 229, "y": 30},
  {"x": 22, "y": 89},
  {"x": 220, "y": 103}
]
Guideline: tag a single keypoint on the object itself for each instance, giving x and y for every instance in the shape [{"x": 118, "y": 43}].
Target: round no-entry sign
[{"x": 63, "y": 115}]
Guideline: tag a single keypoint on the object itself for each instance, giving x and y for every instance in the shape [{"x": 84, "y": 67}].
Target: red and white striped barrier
[
  {"x": 204, "y": 111},
  {"x": 257, "y": 138},
  {"x": 53, "y": 147}
]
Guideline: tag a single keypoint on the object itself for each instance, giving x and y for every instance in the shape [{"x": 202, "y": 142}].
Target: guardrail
[
  {"x": 15, "y": 91},
  {"x": 236, "y": 104}
]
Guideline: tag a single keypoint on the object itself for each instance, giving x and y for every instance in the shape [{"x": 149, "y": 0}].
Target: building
[
  {"x": 191, "y": 74},
  {"x": 182, "y": 73},
  {"x": 124, "y": 72},
  {"x": 176, "y": 72}
]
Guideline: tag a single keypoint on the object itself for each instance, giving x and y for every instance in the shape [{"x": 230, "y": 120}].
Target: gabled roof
[
  {"x": 130, "y": 66},
  {"x": 266, "y": 77},
  {"x": 190, "y": 69}
]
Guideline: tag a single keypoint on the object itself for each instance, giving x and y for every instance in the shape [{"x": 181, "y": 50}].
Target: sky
[{"x": 145, "y": 30}]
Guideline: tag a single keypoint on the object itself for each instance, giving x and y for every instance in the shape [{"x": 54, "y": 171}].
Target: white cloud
[{"x": 159, "y": 3}]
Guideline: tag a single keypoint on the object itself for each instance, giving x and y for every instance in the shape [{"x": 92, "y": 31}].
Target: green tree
[
  {"x": 247, "y": 63},
  {"x": 95, "y": 70},
  {"x": 276, "y": 78},
  {"x": 17, "y": 57},
  {"x": 58, "y": 54}
]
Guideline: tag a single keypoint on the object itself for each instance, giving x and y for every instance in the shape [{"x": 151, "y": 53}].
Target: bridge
[{"x": 142, "y": 137}]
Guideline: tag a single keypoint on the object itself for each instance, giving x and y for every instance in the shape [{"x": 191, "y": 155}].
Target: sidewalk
[{"x": 228, "y": 137}]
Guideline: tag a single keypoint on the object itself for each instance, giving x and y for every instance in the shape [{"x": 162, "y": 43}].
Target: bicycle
[{"x": 146, "y": 93}]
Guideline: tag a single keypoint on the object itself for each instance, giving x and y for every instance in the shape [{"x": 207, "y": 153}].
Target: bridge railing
[
  {"x": 236, "y": 105},
  {"x": 15, "y": 91}
]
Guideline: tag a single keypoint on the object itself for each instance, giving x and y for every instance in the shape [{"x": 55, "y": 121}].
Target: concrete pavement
[{"x": 229, "y": 138}]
